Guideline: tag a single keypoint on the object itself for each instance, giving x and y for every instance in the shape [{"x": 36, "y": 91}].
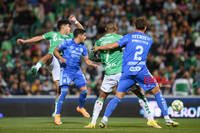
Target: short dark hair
[
  {"x": 140, "y": 23},
  {"x": 62, "y": 22},
  {"x": 78, "y": 32}
]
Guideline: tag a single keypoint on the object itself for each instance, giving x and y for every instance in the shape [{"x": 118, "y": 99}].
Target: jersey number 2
[{"x": 138, "y": 53}]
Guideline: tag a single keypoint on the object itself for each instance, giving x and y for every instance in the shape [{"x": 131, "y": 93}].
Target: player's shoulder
[
  {"x": 117, "y": 35},
  {"x": 53, "y": 32},
  {"x": 83, "y": 46},
  {"x": 128, "y": 35},
  {"x": 69, "y": 40}
]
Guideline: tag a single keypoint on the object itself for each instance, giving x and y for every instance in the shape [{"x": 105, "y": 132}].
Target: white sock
[
  {"x": 97, "y": 109},
  {"x": 56, "y": 101},
  {"x": 38, "y": 65},
  {"x": 105, "y": 118},
  {"x": 145, "y": 106},
  {"x": 167, "y": 119}
]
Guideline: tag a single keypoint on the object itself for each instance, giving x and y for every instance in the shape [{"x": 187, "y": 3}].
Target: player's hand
[
  {"x": 63, "y": 60},
  {"x": 20, "y": 41},
  {"x": 96, "y": 48},
  {"x": 95, "y": 65},
  {"x": 72, "y": 19}
]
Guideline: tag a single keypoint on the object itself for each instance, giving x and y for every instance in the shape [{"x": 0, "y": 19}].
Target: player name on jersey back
[{"x": 141, "y": 39}]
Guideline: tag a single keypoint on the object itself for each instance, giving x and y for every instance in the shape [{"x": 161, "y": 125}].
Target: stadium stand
[{"x": 174, "y": 25}]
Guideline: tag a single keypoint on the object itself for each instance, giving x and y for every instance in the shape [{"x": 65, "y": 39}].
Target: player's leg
[
  {"x": 65, "y": 81},
  {"x": 124, "y": 84},
  {"x": 64, "y": 90},
  {"x": 154, "y": 88},
  {"x": 58, "y": 91},
  {"x": 80, "y": 82},
  {"x": 41, "y": 63},
  {"x": 143, "y": 102},
  {"x": 55, "y": 71},
  {"x": 163, "y": 106},
  {"x": 108, "y": 84},
  {"x": 145, "y": 105}
]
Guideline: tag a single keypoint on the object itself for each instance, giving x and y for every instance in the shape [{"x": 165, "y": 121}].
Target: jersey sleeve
[
  {"x": 71, "y": 35},
  {"x": 123, "y": 41},
  {"x": 48, "y": 35},
  {"x": 85, "y": 53},
  {"x": 97, "y": 43}
]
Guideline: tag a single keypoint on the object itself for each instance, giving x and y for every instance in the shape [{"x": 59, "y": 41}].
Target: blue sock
[
  {"x": 161, "y": 103},
  {"x": 111, "y": 106},
  {"x": 82, "y": 98},
  {"x": 64, "y": 90}
]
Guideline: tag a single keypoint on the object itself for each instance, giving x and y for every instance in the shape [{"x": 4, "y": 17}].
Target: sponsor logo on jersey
[{"x": 133, "y": 69}]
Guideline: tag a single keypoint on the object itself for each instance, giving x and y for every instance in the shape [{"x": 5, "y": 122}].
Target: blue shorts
[
  {"x": 143, "y": 78},
  {"x": 68, "y": 76}
]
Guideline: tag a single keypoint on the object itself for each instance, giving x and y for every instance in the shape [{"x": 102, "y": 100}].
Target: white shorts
[
  {"x": 55, "y": 69},
  {"x": 109, "y": 82}
]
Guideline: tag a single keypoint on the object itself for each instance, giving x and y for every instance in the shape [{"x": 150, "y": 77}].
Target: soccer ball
[{"x": 177, "y": 105}]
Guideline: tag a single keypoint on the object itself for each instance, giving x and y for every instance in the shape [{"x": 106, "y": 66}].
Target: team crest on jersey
[{"x": 81, "y": 49}]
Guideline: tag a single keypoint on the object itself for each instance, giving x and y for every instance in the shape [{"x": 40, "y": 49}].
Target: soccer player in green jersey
[
  {"x": 55, "y": 38},
  {"x": 112, "y": 63}
]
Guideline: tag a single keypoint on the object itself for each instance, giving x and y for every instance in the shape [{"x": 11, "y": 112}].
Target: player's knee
[
  {"x": 82, "y": 87},
  {"x": 155, "y": 90},
  {"x": 103, "y": 95},
  {"x": 64, "y": 89},
  {"x": 120, "y": 94},
  {"x": 84, "y": 91}
]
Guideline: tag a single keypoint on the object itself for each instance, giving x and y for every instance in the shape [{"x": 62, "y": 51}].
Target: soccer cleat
[
  {"x": 103, "y": 124},
  {"x": 33, "y": 70},
  {"x": 83, "y": 112},
  {"x": 153, "y": 124},
  {"x": 57, "y": 119},
  {"x": 171, "y": 123},
  {"x": 90, "y": 125}
]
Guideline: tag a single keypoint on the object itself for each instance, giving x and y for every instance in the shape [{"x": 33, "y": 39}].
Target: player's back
[
  {"x": 135, "y": 53},
  {"x": 112, "y": 59}
]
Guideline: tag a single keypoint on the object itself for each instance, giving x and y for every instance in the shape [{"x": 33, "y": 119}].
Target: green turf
[{"x": 76, "y": 124}]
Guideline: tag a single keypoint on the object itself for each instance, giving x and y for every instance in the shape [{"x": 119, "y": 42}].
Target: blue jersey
[
  {"x": 72, "y": 52},
  {"x": 135, "y": 53}
]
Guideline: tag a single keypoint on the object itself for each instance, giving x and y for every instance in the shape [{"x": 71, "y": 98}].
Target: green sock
[{"x": 143, "y": 97}]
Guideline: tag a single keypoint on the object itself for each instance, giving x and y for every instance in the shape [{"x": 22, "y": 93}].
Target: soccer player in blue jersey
[
  {"x": 134, "y": 70},
  {"x": 72, "y": 50}
]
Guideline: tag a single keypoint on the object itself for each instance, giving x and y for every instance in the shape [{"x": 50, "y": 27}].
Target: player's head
[
  {"x": 141, "y": 24},
  {"x": 111, "y": 27},
  {"x": 80, "y": 34},
  {"x": 64, "y": 25}
]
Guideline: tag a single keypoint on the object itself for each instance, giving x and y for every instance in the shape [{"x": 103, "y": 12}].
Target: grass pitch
[{"x": 76, "y": 124}]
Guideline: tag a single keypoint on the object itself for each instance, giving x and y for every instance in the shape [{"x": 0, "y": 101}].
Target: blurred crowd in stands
[{"x": 173, "y": 24}]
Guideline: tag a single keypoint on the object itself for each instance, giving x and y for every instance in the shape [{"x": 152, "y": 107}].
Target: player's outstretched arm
[
  {"x": 76, "y": 22},
  {"x": 89, "y": 62},
  {"x": 57, "y": 54},
  {"x": 31, "y": 40},
  {"x": 106, "y": 47}
]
